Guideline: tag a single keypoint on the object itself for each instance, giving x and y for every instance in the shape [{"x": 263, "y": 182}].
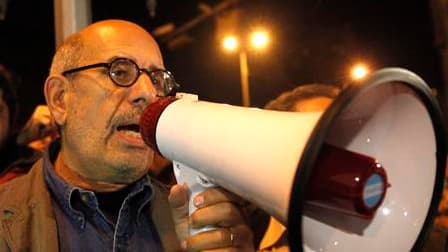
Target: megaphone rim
[{"x": 319, "y": 134}]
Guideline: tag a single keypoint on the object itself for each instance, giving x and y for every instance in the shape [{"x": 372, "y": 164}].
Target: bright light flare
[
  {"x": 359, "y": 71},
  {"x": 230, "y": 43},
  {"x": 259, "y": 39}
]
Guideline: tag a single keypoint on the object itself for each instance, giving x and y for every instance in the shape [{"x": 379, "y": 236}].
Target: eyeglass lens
[
  {"x": 163, "y": 82},
  {"x": 125, "y": 72}
]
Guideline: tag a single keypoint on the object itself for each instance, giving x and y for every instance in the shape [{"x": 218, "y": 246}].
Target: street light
[
  {"x": 259, "y": 39},
  {"x": 230, "y": 43},
  {"x": 359, "y": 71}
]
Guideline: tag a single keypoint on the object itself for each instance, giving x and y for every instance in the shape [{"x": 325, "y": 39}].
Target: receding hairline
[
  {"x": 69, "y": 54},
  {"x": 76, "y": 47}
]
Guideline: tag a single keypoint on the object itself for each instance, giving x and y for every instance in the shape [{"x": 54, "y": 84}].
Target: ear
[{"x": 55, "y": 89}]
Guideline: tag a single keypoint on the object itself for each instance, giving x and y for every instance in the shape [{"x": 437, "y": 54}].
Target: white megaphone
[{"x": 364, "y": 175}]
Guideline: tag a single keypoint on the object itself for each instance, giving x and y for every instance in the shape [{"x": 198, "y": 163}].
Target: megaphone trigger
[{"x": 196, "y": 183}]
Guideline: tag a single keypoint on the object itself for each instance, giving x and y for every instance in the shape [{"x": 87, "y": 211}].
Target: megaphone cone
[
  {"x": 393, "y": 117},
  {"x": 389, "y": 127}
]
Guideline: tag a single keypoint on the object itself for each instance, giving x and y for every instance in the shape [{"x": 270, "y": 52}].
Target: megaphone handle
[{"x": 196, "y": 183}]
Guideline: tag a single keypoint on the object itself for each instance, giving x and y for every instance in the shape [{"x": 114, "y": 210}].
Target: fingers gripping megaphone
[{"x": 366, "y": 174}]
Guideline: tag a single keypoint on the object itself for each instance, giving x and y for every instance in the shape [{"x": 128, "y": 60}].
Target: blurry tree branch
[{"x": 207, "y": 12}]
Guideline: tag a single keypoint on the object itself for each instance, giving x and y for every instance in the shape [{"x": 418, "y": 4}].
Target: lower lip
[{"x": 135, "y": 141}]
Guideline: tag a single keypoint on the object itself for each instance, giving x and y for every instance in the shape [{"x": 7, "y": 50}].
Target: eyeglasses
[{"x": 125, "y": 72}]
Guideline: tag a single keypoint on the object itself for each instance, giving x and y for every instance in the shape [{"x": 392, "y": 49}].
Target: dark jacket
[{"x": 27, "y": 220}]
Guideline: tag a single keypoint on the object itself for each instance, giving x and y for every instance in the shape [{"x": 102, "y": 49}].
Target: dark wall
[{"x": 313, "y": 41}]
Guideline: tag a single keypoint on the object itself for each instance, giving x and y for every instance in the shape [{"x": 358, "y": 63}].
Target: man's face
[
  {"x": 4, "y": 120},
  {"x": 100, "y": 137}
]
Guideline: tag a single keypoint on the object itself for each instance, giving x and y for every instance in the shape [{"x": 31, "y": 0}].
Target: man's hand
[{"x": 216, "y": 207}]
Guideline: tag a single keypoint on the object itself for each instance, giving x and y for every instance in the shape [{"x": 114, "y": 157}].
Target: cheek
[
  {"x": 82, "y": 121},
  {"x": 78, "y": 116},
  {"x": 85, "y": 110}
]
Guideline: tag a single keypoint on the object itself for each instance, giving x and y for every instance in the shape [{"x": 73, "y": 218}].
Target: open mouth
[{"x": 132, "y": 130}]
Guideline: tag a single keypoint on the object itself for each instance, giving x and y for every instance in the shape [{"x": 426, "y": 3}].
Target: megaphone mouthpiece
[{"x": 149, "y": 118}]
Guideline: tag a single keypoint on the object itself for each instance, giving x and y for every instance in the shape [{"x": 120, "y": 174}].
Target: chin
[
  {"x": 127, "y": 173},
  {"x": 126, "y": 168}
]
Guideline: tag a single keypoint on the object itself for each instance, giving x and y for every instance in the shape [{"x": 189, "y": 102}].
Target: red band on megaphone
[{"x": 149, "y": 119}]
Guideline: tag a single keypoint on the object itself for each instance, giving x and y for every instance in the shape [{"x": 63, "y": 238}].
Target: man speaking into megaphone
[{"x": 91, "y": 191}]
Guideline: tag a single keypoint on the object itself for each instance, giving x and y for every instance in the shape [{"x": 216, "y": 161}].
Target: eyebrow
[{"x": 118, "y": 57}]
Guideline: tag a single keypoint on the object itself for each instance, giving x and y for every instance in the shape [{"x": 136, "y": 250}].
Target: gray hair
[
  {"x": 69, "y": 54},
  {"x": 287, "y": 100}
]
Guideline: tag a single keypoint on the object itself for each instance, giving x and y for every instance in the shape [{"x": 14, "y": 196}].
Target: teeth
[{"x": 132, "y": 133}]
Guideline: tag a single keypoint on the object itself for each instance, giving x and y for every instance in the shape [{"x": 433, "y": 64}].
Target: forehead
[
  {"x": 313, "y": 104},
  {"x": 111, "y": 41}
]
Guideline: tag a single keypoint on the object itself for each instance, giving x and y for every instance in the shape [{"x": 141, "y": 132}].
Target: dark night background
[{"x": 312, "y": 41}]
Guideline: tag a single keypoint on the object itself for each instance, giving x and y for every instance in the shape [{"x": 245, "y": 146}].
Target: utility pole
[{"x": 69, "y": 17}]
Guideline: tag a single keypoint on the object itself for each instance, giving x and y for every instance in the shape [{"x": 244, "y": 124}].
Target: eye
[
  {"x": 119, "y": 73},
  {"x": 155, "y": 79},
  {"x": 123, "y": 72}
]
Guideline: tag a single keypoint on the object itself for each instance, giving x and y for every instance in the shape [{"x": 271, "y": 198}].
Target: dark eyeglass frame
[{"x": 167, "y": 91}]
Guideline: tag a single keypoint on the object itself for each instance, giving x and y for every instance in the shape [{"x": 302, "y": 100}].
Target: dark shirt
[{"x": 83, "y": 226}]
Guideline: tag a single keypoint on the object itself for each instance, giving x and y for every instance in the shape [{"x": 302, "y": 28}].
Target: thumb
[{"x": 178, "y": 200}]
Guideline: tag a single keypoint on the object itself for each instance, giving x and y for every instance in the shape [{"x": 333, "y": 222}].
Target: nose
[{"x": 142, "y": 92}]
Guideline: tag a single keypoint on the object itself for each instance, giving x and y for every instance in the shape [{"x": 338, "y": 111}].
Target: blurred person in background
[
  {"x": 39, "y": 130},
  {"x": 305, "y": 98},
  {"x": 26, "y": 146},
  {"x": 8, "y": 117},
  {"x": 13, "y": 156}
]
